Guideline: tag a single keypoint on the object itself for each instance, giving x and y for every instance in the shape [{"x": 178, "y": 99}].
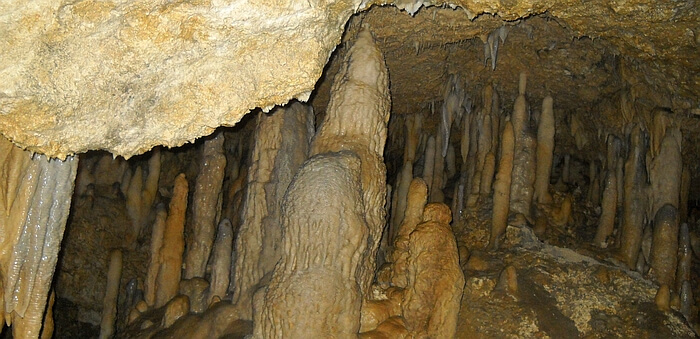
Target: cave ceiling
[{"x": 124, "y": 76}]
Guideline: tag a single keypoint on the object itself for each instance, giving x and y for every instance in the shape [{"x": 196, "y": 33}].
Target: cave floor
[{"x": 566, "y": 288}]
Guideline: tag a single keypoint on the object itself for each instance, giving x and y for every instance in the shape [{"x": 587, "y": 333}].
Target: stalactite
[
  {"x": 109, "y": 305},
  {"x": 35, "y": 200},
  {"x": 281, "y": 146},
  {"x": 206, "y": 206},
  {"x": 664, "y": 246},
  {"x": 154, "y": 258},
  {"x": 545, "y": 149},
  {"x": 169, "y": 273},
  {"x": 450, "y": 162},
  {"x": 221, "y": 261},
  {"x": 578, "y": 132},
  {"x": 501, "y": 188},
  {"x": 593, "y": 190},
  {"x": 634, "y": 206},
  {"x": 47, "y": 328},
  {"x": 140, "y": 194}
]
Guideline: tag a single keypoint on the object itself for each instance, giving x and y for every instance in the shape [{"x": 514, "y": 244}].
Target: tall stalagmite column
[
  {"x": 35, "y": 201},
  {"x": 545, "y": 148},
  {"x": 281, "y": 146},
  {"x": 635, "y": 203},
  {"x": 206, "y": 206},
  {"x": 356, "y": 121},
  {"x": 170, "y": 270},
  {"x": 524, "y": 161},
  {"x": 501, "y": 188}
]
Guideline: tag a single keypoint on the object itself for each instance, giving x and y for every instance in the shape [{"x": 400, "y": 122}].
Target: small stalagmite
[
  {"x": 687, "y": 301},
  {"x": 154, "y": 259},
  {"x": 170, "y": 270},
  {"x": 206, "y": 206},
  {"x": 35, "y": 200},
  {"x": 434, "y": 292},
  {"x": 417, "y": 198},
  {"x": 663, "y": 299},
  {"x": 545, "y": 149},
  {"x": 634, "y": 205},
  {"x": 664, "y": 246},
  {"x": 109, "y": 304},
  {"x": 221, "y": 261},
  {"x": 501, "y": 188},
  {"x": 281, "y": 146}
]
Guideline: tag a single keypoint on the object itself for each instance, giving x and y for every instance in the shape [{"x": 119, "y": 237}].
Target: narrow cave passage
[{"x": 449, "y": 177}]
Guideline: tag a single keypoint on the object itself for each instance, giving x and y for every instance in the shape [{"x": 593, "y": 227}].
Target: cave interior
[{"x": 609, "y": 247}]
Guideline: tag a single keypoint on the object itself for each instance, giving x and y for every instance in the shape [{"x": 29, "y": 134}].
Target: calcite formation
[
  {"x": 206, "y": 206},
  {"x": 35, "y": 200},
  {"x": 281, "y": 146}
]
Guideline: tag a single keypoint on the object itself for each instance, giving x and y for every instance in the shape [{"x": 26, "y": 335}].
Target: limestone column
[
  {"x": 545, "y": 149},
  {"x": 170, "y": 270},
  {"x": 501, "y": 188}
]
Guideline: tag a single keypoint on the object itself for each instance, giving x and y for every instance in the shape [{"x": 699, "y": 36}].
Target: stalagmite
[
  {"x": 687, "y": 301},
  {"x": 221, "y": 261},
  {"x": 566, "y": 169},
  {"x": 196, "y": 290},
  {"x": 663, "y": 298},
  {"x": 450, "y": 162},
  {"x": 666, "y": 172},
  {"x": 417, "y": 198},
  {"x": 109, "y": 305},
  {"x": 281, "y": 146},
  {"x": 436, "y": 194},
  {"x": 435, "y": 279},
  {"x": 685, "y": 257},
  {"x": 610, "y": 194},
  {"x": 174, "y": 310},
  {"x": 501, "y": 188},
  {"x": 487, "y": 174},
  {"x": 664, "y": 246},
  {"x": 169, "y": 273},
  {"x": 634, "y": 205},
  {"x": 685, "y": 192},
  {"x": 524, "y": 161},
  {"x": 659, "y": 127},
  {"x": 333, "y": 211},
  {"x": 154, "y": 259},
  {"x": 206, "y": 206},
  {"x": 404, "y": 181},
  {"x": 429, "y": 163},
  {"x": 545, "y": 148},
  {"x": 593, "y": 191},
  {"x": 35, "y": 200},
  {"x": 495, "y": 120},
  {"x": 314, "y": 291}
]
